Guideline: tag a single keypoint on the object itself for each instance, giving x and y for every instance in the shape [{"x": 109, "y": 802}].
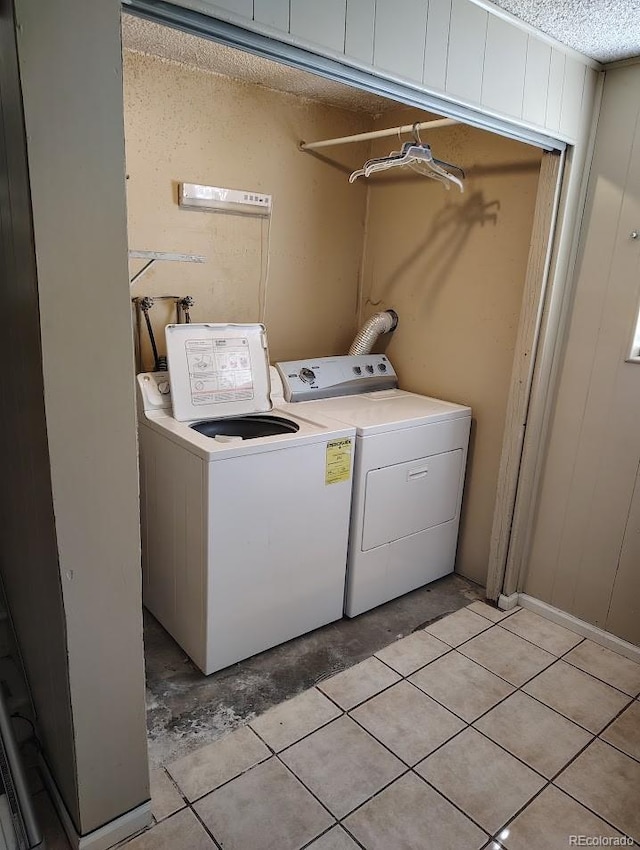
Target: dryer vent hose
[{"x": 379, "y": 323}]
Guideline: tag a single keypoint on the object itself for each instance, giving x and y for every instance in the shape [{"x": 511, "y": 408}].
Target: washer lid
[{"x": 218, "y": 370}]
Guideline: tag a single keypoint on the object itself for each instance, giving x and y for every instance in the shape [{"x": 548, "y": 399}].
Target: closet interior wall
[
  {"x": 186, "y": 124},
  {"x": 453, "y": 266}
]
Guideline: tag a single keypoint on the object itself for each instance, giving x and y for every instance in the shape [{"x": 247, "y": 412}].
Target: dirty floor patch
[{"x": 186, "y": 709}]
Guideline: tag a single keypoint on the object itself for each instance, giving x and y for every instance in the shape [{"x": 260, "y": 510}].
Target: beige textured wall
[
  {"x": 453, "y": 266},
  {"x": 183, "y": 124},
  {"x": 585, "y": 553}
]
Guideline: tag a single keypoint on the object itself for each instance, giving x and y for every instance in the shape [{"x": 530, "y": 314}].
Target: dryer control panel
[{"x": 328, "y": 377}]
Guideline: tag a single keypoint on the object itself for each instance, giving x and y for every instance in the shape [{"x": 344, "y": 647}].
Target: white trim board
[
  {"x": 105, "y": 836},
  {"x": 574, "y": 624}
]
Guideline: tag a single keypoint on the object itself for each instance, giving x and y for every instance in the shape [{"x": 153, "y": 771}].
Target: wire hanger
[{"x": 418, "y": 156}]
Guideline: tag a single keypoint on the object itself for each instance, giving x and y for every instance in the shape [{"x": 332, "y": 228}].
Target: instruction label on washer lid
[
  {"x": 219, "y": 370},
  {"x": 338, "y": 466}
]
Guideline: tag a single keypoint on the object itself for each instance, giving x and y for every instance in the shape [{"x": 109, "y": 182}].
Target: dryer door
[{"x": 406, "y": 498}]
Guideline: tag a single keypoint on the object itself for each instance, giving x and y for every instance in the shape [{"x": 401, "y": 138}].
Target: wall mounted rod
[{"x": 378, "y": 134}]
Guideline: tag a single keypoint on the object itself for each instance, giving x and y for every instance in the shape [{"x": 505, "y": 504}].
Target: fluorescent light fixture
[{"x": 193, "y": 196}]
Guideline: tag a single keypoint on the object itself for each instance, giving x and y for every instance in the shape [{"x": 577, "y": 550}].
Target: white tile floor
[{"x": 485, "y": 730}]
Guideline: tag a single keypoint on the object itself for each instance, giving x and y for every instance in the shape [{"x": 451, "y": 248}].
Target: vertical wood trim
[
  {"x": 536, "y": 81},
  {"x": 521, "y": 376},
  {"x": 272, "y": 13},
  {"x": 319, "y": 24},
  {"x": 555, "y": 89},
  {"x": 572, "y": 91},
  {"x": 399, "y": 40},
  {"x": 436, "y": 48},
  {"x": 506, "y": 47},
  {"x": 360, "y": 30},
  {"x": 467, "y": 44}
]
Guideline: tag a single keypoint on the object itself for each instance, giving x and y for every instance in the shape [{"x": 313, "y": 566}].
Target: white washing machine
[
  {"x": 411, "y": 454},
  {"x": 245, "y": 518}
]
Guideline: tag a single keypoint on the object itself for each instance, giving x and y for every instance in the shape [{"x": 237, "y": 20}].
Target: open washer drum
[{"x": 220, "y": 381}]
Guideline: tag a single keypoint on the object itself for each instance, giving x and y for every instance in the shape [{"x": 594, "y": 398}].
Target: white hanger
[{"x": 417, "y": 156}]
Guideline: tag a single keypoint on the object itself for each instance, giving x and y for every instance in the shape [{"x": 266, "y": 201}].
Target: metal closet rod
[{"x": 378, "y": 134}]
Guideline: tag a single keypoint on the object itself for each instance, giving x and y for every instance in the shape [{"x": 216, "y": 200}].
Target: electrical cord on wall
[{"x": 264, "y": 266}]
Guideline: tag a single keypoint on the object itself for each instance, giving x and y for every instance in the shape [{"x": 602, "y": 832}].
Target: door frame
[{"x": 529, "y": 335}]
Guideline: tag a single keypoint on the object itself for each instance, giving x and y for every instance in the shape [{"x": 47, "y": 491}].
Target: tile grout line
[
  {"x": 298, "y": 779},
  {"x": 306, "y": 734},
  {"x": 177, "y": 789},
  {"x": 544, "y": 648},
  {"x": 598, "y": 678},
  {"x": 382, "y": 744},
  {"x": 206, "y": 828},
  {"x": 448, "y": 651},
  {"x": 338, "y": 826},
  {"x": 451, "y": 802},
  {"x": 231, "y": 779},
  {"x": 614, "y": 747},
  {"x": 506, "y": 614},
  {"x": 362, "y": 702},
  {"x": 339, "y": 820}
]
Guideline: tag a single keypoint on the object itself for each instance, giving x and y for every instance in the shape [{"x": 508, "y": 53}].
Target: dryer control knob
[
  {"x": 307, "y": 375},
  {"x": 382, "y": 367},
  {"x": 369, "y": 368},
  {"x": 163, "y": 387}
]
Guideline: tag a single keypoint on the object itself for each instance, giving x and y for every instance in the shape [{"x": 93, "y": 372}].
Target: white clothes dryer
[
  {"x": 411, "y": 454},
  {"x": 244, "y": 518}
]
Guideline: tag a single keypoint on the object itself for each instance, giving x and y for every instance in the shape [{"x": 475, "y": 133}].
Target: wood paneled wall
[{"x": 585, "y": 556}]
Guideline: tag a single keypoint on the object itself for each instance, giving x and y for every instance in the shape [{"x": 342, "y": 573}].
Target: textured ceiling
[
  {"x": 606, "y": 30},
  {"x": 147, "y": 37}
]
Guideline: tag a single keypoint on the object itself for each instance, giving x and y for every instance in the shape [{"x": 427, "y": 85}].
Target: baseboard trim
[
  {"x": 562, "y": 618},
  {"x": 105, "y": 836},
  {"x": 506, "y": 603}
]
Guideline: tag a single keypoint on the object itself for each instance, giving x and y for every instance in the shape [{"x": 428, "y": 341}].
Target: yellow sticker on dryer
[{"x": 338, "y": 465}]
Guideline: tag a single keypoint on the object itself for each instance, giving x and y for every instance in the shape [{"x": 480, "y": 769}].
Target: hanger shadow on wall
[
  {"x": 431, "y": 263},
  {"x": 426, "y": 269}
]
